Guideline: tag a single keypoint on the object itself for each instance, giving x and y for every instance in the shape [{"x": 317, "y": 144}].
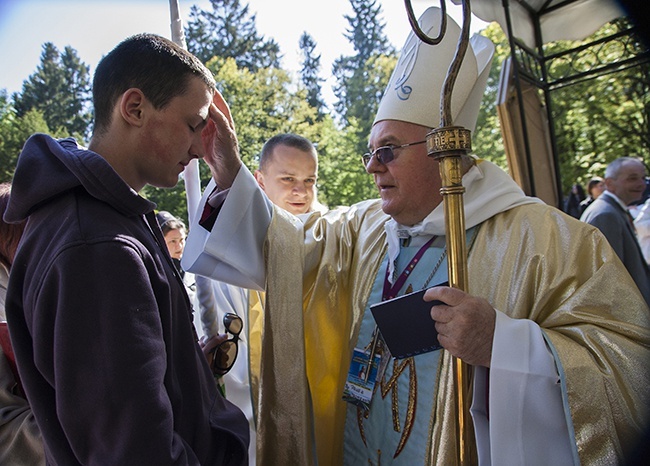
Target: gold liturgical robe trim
[{"x": 521, "y": 262}]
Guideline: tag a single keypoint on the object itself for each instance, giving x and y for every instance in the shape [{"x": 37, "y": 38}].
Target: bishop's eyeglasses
[
  {"x": 225, "y": 353},
  {"x": 385, "y": 154}
]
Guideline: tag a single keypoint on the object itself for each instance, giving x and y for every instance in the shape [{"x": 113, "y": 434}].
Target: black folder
[{"x": 405, "y": 324}]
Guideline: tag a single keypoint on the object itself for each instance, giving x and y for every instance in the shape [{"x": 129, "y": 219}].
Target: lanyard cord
[{"x": 390, "y": 291}]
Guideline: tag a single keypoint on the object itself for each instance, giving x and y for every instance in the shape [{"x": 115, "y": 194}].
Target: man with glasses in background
[{"x": 552, "y": 323}]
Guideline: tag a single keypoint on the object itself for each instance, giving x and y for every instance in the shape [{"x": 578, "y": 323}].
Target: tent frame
[{"x": 533, "y": 65}]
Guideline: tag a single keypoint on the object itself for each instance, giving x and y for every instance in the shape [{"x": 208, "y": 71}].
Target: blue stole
[{"x": 397, "y": 428}]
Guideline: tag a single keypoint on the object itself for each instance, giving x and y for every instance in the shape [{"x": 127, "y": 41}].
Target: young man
[
  {"x": 287, "y": 173},
  {"x": 551, "y": 321},
  {"x": 98, "y": 315}
]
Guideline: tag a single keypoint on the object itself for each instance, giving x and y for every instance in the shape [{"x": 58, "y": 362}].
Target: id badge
[{"x": 362, "y": 376}]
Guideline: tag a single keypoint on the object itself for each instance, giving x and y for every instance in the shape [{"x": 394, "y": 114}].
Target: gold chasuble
[
  {"x": 579, "y": 293},
  {"x": 530, "y": 261}
]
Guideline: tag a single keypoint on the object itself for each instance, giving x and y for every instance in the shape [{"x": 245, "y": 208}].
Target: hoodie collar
[{"x": 48, "y": 168}]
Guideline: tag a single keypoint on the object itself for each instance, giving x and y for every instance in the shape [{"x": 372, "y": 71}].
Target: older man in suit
[{"x": 624, "y": 183}]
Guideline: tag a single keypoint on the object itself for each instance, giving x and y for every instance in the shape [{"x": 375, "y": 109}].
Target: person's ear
[
  {"x": 260, "y": 178},
  {"x": 132, "y": 106}
]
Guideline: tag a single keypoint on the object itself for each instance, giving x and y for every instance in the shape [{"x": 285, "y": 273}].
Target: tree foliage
[
  {"x": 310, "y": 74},
  {"x": 487, "y": 141},
  {"x": 230, "y": 32},
  {"x": 60, "y": 89},
  {"x": 611, "y": 117},
  {"x": 357, "y": 89},
  {"x": 15, "y": 130},
  {"x": 596, "y": 120},
  {"x": 342, "y": 178}
]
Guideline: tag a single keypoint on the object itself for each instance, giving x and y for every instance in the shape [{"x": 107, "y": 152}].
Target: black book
[{"x": 406, "y": 325}]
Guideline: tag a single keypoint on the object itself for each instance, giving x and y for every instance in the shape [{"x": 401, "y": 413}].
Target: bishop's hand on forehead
[{"x": 220, "y": 145}]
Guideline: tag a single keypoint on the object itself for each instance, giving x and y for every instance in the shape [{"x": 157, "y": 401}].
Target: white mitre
[
  {"x": 413, "y": 96},
  {"x": 413, "y": 92}
]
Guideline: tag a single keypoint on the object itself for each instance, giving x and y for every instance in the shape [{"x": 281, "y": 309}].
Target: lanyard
[{"x": 390, "y": 291}]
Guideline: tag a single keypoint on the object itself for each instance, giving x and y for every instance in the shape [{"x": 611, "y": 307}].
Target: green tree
[
  {"x": 595, "y": 120},
  {"x": 342, "y": 178},
  {"x": 14, "y": 131},
  {"x": 309, "y": 74},
  {"x": 263, "y": 104},
  {"x": 8, "y": 153},
  {"x": 358, "y": 94},
  {"x": 487, "y": 140},
  {"x": 230, "y": 31},
  {"x": 611, "y": 116},
  {"x": 60, "y": 89}
]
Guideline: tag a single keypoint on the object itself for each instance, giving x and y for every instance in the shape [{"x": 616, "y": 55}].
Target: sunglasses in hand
[{"x": 221, "y": 354}]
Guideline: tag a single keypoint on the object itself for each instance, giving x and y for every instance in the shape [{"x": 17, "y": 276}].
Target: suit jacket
[{"x": 609, "y": 217}]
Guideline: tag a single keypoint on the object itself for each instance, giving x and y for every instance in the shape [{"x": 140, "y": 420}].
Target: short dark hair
[
  {"x": 592, "y": 183},
  {"x": 168, "y": 222},
  {"x": 155, "y": 65},
  {"x": 10, "y": 233},
  {"x": 285, "y": 139}
]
